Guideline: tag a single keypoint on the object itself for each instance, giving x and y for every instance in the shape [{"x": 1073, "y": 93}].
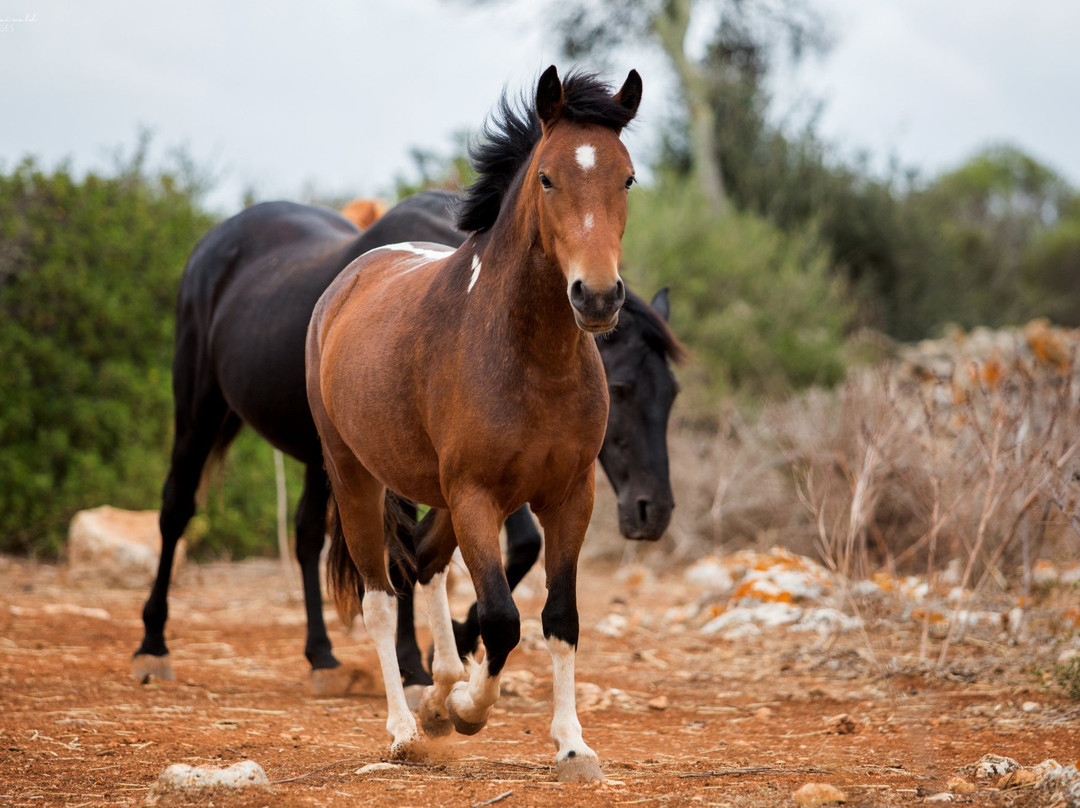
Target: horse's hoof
[
  {"x": 583, "y": 767},
  {"x": 145, "y": 667},
  {"x": 433, "y": 719},
  {"x": 339, "y": 681},
  {"x": 414, "y": 696},
  {"x": 463, "y": 726},
  {"x": 411, "y": 749}
]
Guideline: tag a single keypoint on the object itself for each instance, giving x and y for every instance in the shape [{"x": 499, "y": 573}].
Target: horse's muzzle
[
  {"x": 644, "y": 519},
  {"x": 597, "y": 311}
]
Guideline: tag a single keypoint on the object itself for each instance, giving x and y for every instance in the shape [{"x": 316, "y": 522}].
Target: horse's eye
[
  {"x": 630, "y": 181},
  {"x": 620, "y": 389},
  {"x": 544, "y": 180}
]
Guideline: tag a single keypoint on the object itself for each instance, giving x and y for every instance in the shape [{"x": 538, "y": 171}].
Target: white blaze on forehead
[
  {"x": 586, "y": 156},
  {"x": 588, "y": 221},
  {"x": 475, "y": 272}
]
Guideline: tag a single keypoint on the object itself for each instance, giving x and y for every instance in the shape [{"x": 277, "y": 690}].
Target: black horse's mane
[
  {"x": 511, "y": 132},
  {"x": 654, "y": 328}
]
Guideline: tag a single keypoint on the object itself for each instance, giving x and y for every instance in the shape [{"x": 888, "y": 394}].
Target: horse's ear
[
  {"x": 549, "y": 96},
  {"x": 661, "y": 304},
  {"x": 630, "y": 94}
]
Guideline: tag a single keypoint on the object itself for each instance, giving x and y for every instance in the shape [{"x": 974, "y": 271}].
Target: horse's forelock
[{"x": 513, "y": 130}]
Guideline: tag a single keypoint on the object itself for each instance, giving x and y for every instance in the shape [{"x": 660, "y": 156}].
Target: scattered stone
[
  {"x": 634, "y": 576},
  {"x": 659, "y": 703},
  {"x": 613, "y": 625},
  {"x": 182, "y": 777},
  {"x": 990, "y": 767},
  {"x": 1017, "y": 779},
  {"x": 842, "y": 724},
  {"x": 1030, "y": 706},
  {"x": 763, "y": 713},
  {"x": 116, "y": 547},
  {"x": 958, "y": 785},
  {"x": 376, "y": 767},
  {"x": 1062, "y": 786},
  {"x": 811, "y": 795}
]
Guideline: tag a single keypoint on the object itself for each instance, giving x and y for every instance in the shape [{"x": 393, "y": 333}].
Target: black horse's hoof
[{"x": 145, "y": 667}]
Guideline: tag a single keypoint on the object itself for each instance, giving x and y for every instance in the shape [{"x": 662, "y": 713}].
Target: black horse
[{"x": 245, "y": 299}]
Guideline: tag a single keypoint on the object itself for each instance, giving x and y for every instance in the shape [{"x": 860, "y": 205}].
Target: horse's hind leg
[
  {"x": 416, "y": 679},
  {"x": 199, "y": 428},
  {"x": 360, "y": 511},
  {"x": 564, "y": 532}
]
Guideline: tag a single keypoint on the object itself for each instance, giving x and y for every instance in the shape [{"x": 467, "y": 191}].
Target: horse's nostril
[
  {"x": 643, "y": 511},
  {"x": 577, "y": 294},
  {"x": 620, "y": 292}
]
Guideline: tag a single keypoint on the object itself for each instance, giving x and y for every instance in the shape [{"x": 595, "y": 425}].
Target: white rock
[
  {"x": 182, "y": 777},
  {"x": 613, "y": 625},
  {"x": 992, "y": 767},
  {"x": 710, "y": 574},
  {"x": 116, "y": 547},
  {"x": 375, "y": 767}
]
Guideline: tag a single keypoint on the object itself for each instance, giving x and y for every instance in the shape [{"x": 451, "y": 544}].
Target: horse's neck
[{"x": 530, "y": 304}]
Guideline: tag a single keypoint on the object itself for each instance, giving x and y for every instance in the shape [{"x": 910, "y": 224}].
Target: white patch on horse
[
  {"x": 425, "y": 254},
  {"x": 586, "y": 156},
  {"x": 475, "y": 271},
  {"x": 588, "y": 222}
]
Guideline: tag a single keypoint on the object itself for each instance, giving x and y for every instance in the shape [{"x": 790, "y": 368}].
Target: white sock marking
[
  {"x": 380, "y": 620},
  {"x": 446, "y": 667},
  {"x": 475, "y": 272},
  {"x": 586, "y": 156},
  {"x": 565, "y": 727}
]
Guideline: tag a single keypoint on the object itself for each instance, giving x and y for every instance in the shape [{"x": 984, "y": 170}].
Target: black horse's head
[{"x": 638, "y": 356}]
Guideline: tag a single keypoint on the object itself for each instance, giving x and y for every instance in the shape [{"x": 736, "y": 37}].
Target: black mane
[
  {"x": 511, "y": 132},
  {"x": 654, "y": 328}
]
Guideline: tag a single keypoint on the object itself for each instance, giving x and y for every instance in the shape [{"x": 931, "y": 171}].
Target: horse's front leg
[
  {"x": 435, "y": 546},
  {"x": 564, "y": 532},
  {"x": 476, "y": 522}
]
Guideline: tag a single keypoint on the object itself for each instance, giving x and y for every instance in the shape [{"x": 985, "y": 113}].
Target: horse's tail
[{"x": 344, "y": 583}]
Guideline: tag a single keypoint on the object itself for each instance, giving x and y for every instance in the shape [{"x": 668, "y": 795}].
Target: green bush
[
  {"x": 757, "y": 307},
  {"x": 88, "y": 275}
]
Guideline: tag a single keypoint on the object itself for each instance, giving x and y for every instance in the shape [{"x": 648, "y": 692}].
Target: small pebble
[{"x": 812, "y": 795}]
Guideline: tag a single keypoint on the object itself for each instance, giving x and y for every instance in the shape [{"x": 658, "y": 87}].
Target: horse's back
[{"x": 245, "y": 299}]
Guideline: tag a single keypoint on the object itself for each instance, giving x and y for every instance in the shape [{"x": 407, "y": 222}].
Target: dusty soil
[{"x": 677, "y": 718}]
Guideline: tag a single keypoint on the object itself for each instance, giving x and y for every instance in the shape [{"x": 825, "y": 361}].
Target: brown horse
[
  {"x": 363, "y": 212},
  {"x": 483, "y": 391}
]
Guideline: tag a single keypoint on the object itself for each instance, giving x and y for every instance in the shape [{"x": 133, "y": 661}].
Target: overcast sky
[{"x": 280, "y": 97}]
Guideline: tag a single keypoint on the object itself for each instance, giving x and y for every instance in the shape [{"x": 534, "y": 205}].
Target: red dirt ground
[{"x": 699, "y": 721}]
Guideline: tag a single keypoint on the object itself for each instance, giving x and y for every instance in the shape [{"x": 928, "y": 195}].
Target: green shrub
[{"x": 88, "y": 275}]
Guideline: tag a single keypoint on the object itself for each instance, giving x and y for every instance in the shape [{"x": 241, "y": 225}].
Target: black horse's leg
[
  {"x": 415, "y": 677},
  {"x": 198, "y": 431},
  {"x": 522, "y": 550},
  {"x": 310, "y": 536}
]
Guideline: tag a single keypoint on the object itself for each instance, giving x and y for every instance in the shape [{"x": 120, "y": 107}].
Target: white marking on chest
[
  {"x": 586, "y": 156},
  {"x": 475, "y": 272},
  {"x": 588, "y": 221}
]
